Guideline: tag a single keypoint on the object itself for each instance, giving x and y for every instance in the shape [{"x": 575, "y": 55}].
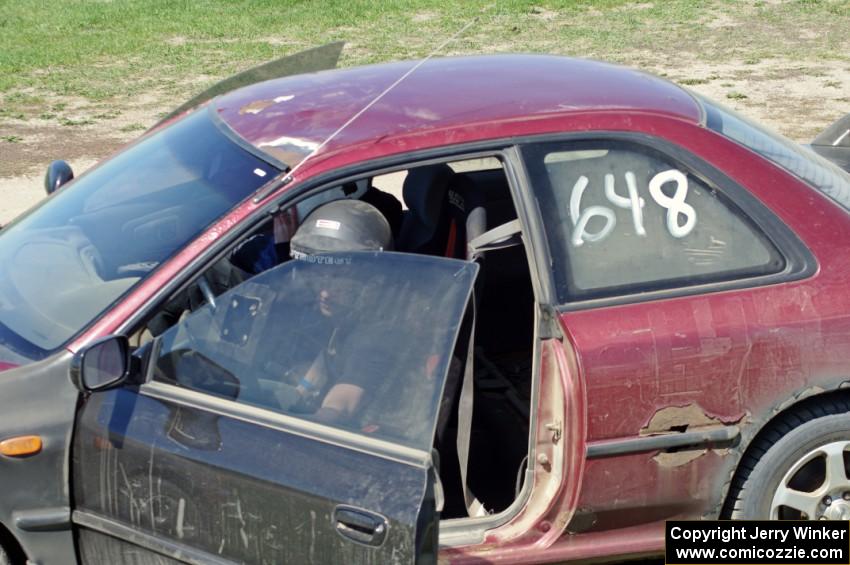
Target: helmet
[{"x": 342, "y": 225}]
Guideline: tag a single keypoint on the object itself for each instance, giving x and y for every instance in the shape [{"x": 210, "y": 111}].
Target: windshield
[
  {"x": 294, "y": 336},
  {"x": 65, "y": 262},
  {"x": 797, "y": 159}
]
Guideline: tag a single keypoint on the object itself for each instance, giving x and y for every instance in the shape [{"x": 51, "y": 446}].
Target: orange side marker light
[{"x": 20, "y": 446}]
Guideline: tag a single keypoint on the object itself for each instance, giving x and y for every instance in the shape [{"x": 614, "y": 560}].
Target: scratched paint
[
  {"x": 679, "y": 419},
  {"x": 226, "y": 502}
]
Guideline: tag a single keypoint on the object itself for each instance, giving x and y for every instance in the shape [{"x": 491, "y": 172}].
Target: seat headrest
[{"x": 424, "y": 191}]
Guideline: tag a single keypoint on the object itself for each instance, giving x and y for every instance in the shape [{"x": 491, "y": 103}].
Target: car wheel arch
[
  {"x": 10, "y": 544},
  {"x": 754, "y": 436}
]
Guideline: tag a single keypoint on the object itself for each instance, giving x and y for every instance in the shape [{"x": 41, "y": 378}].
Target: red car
[{"x": 610, "y": 302}]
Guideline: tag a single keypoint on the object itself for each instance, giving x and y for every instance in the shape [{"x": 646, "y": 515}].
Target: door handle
[{"x": 360, "y": 525}]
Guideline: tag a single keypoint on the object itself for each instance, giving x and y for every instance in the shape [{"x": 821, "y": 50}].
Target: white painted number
[
  {"x": 633, "y": 202},
  {"x": 676, "y": 205},
  {"x": 580, "y": 233}
]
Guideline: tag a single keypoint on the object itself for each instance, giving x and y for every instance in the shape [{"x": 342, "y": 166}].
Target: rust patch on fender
[
  {"x": 678, "y": 458},
  {"x": 678, "y": 419}
]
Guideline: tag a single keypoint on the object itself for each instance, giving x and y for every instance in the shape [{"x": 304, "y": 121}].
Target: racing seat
[
  {"x": 425, "y": 225},
  {"x": 445, "y": 212}
]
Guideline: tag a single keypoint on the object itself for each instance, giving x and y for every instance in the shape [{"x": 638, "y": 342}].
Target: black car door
[{"x": 229, "y": 452}]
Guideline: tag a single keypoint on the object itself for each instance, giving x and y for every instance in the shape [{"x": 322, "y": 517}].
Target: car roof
[{"x": 288, "y": 117}]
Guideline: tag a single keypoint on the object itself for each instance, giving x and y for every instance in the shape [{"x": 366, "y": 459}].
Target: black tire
[{"x": 788, "y": 440}]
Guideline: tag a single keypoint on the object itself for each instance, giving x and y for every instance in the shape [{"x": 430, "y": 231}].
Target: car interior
[
  {"x": 443, "y": 207},
  {"x": 448, "y": 206}
]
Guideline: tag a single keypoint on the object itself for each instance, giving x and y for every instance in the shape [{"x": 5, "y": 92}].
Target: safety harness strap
[
  {"x": 464, "y": 424},
  {"x": 497, "y": 238}
]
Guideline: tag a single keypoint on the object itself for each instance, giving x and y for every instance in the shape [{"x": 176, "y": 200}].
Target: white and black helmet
[{"x": 339, "y": 226}]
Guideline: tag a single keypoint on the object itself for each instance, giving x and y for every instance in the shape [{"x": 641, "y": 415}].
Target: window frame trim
[
  {"x": 800, "y": 262},
  {"x": 283, "y": 423}
]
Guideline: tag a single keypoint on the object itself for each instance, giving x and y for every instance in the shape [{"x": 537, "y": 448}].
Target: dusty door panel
[
  {"x": 220, "y": 455},
  {"x": 235, "y": 489}
]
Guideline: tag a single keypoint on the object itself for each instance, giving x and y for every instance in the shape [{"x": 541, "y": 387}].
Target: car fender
[
  {"x": 35, "y": 506},
  {"x": 753, "y": 426}
]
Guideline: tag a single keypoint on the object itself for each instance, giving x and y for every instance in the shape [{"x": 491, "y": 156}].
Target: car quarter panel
[{"x": 707, "y": 360}]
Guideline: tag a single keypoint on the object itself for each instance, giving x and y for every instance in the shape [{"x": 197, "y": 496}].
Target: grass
[
  {"x": 70, "y": 122},
  {"x": 100, "y": 50},
  {"x": 692, "y": 81}
]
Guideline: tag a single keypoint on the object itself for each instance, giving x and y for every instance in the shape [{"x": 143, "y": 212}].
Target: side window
[
  {"x": 623, "y": 219},
  {"x": 361, "y": 341}
]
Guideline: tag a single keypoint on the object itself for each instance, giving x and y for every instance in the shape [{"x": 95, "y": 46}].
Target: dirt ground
[
  {"x": 798, "y": 99},
  {"x": 22, "y": 164}
]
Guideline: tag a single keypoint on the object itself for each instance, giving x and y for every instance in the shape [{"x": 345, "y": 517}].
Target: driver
[{"x": 334, "y": 384}]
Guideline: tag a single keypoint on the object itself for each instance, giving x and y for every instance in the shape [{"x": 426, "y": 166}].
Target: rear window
[
  {"x": 623, "y": 219},
  {"x": 796, "y": 159}
]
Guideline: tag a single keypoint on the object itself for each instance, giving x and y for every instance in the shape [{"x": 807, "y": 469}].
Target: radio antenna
[{"x": 290, "y": 175}]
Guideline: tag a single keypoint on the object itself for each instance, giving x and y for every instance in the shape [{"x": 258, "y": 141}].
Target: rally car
[{"x": 638, "y": 296}]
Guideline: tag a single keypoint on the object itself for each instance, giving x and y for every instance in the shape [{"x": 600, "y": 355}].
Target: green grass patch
[
  {"x": 132, "y": 127},
  {"x": 692, "y": 81},
  {"x": 104, "y": 51},
  {"x": 13, "y": 114},
  {"x": 71, "y": 123},
  {"x": 110, "y": 115}
]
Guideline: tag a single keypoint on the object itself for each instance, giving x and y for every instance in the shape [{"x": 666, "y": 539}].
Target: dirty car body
[{"x": 686, "y": 291}]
